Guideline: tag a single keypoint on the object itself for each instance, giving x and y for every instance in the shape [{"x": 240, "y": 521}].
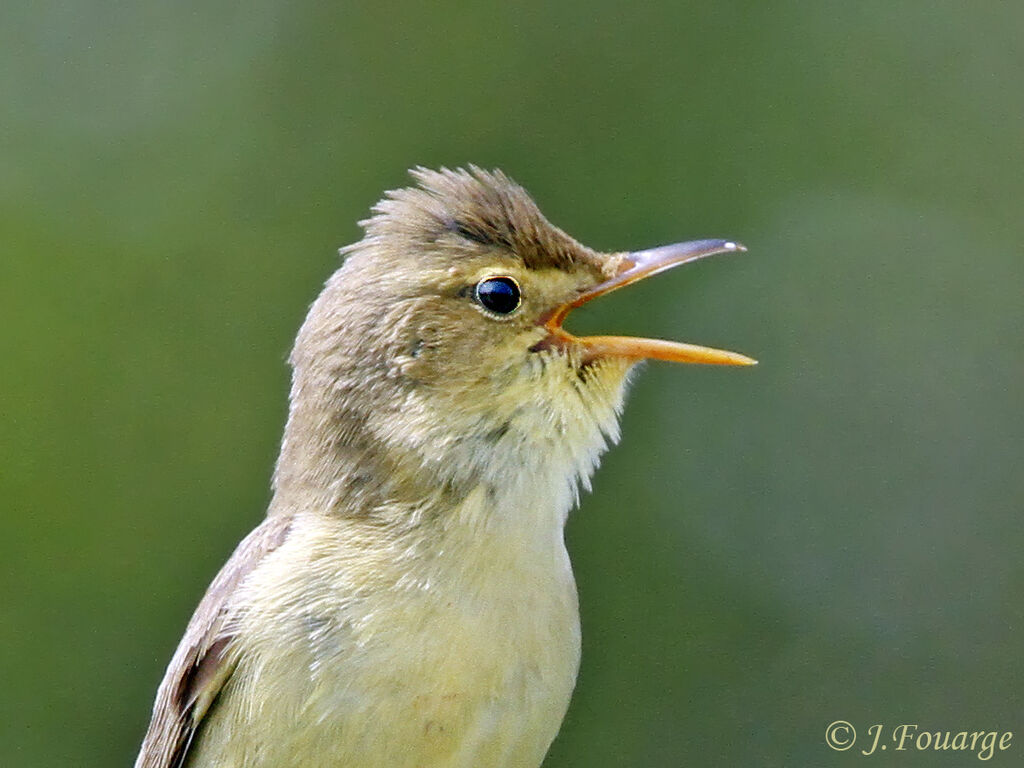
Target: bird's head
[{"x": 440, "y": 341}]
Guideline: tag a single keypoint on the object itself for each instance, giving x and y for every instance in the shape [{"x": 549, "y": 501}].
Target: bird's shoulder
[{"x": 203, "y": 661}]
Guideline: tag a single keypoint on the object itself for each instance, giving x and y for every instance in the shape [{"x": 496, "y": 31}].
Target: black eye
[{"x": 498, "y": 294}]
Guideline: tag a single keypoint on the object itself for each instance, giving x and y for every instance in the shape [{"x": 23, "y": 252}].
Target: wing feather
[{"x": 203, "y": 662}]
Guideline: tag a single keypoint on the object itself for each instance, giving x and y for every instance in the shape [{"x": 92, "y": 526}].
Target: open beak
[{"x": 636, "y": 266}]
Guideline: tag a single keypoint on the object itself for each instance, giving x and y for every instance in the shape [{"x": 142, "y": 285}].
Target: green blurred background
[{"x": 834, "y": 534}]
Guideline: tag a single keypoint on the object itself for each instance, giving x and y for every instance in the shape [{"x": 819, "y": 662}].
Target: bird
[{"x": 408, "y": 601}]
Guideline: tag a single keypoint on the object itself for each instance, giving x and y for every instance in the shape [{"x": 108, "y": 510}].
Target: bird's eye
[{"x": 498, "y": 294}]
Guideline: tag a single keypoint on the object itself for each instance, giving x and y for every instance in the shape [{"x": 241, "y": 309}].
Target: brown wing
[{"x": 202, "y": 663}]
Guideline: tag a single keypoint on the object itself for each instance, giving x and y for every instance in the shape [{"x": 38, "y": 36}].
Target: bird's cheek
[{"x": 414, "y": 352}]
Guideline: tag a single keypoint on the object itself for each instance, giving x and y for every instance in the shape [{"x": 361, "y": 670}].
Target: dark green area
[{"x": 834, "y": 534}]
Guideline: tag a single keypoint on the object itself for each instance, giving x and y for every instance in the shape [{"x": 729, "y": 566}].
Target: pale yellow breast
[{"x": 455, "y": 648}]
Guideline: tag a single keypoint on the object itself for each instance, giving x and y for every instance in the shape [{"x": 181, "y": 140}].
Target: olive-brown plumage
[{"x": 408, "y": 601}]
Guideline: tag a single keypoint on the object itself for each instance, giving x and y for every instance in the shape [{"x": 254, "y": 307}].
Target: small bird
[{"x": 408, "y": 601}]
